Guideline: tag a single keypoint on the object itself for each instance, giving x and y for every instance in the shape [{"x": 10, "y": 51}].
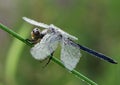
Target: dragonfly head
[{"x": 35, "y": 34}]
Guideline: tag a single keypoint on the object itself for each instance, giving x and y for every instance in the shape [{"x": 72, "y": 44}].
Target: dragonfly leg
[
  {"x": 32, "y": 41},
  {"x": 49, "y": 59}
]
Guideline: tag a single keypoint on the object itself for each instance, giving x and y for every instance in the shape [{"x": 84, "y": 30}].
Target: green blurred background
[{"x": 95, "y": 22}]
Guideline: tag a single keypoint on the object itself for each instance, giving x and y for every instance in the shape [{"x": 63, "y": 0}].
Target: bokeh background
[{"x": 95, "y": 22}]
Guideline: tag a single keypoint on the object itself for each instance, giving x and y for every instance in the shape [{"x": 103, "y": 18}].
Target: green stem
[
  {"x": 13, "y": 55},
  {"x": 14, "y": 34},
  {"x": 76, "y": 73}
]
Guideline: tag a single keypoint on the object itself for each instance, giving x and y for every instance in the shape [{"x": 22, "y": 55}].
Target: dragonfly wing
[
  {"x": 33, "y": 22},
  {"x": 70, "y": 54},
  {"x": 45, "y": 47},
  {"x": 65, "y": 34}
]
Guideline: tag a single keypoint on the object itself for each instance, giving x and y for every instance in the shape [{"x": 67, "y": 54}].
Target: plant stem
[
  {"x": 76, "y": 73},
  {"x": 14, "y": 34},
  {"x": 13, "y": 55}
]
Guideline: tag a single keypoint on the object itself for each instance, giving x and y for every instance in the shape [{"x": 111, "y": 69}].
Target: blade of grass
[
  {"x": 76, "y": 73},
  {"x": 13, "y": 56},
  {"x": 14, "y": 34}
]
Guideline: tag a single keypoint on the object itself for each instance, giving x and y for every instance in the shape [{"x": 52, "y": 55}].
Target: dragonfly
[{"x": 47, "y": 41}]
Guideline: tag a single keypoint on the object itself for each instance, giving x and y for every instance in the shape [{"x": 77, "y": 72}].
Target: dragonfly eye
[{"x": 36, "y": 31}]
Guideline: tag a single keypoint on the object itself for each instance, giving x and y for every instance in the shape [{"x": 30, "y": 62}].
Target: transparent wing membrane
[
  {"x": 39, "y": 24},
  {"x": 70, "y": 54},
  {"x": 65, "y": 34},
  {"x": 46, "y": 47},
  {"x": 33, "y": 22}
]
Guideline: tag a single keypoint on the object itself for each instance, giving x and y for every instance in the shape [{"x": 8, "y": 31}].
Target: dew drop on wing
[
  {"x": 45, "y": 47},
  {"x": 70, "y": 55}
]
